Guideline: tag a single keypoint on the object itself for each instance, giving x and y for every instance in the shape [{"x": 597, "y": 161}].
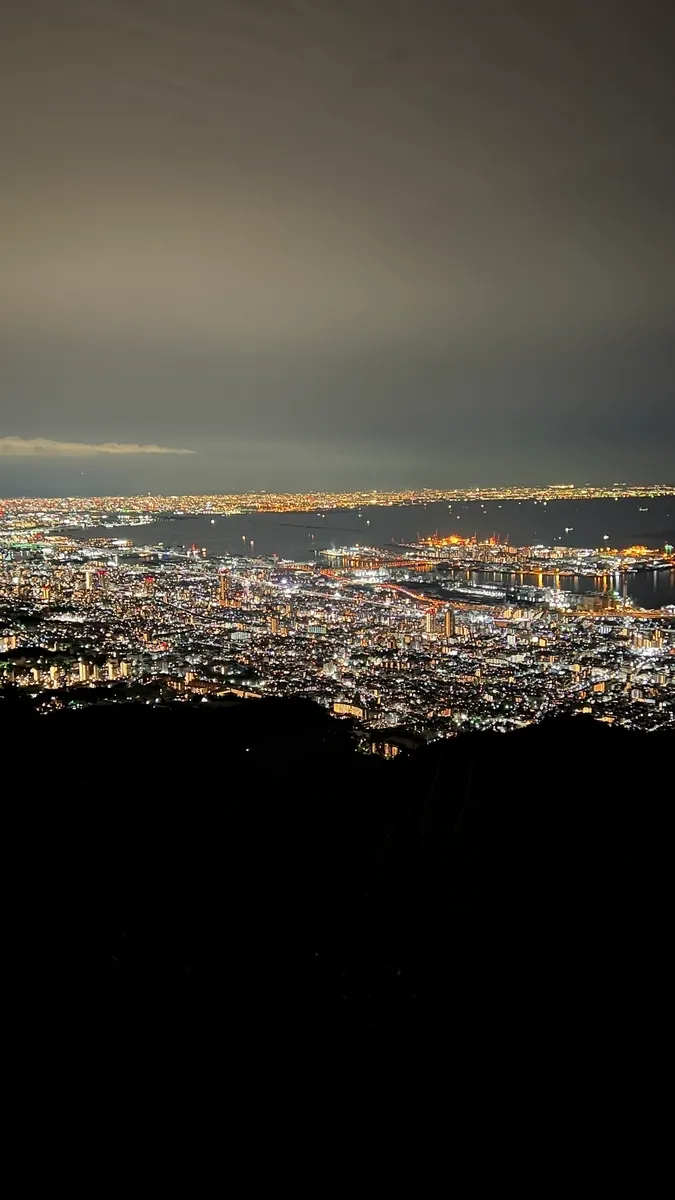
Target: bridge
[{"x": 435, "y": 602}]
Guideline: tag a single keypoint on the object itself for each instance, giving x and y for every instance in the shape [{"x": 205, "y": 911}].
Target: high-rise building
[
  {"x": 430, "y": 622},
  {"x": 274, "y": 625},
  {"x": 83, "y": 671},
  {"x": 89, "y": 581},
  {"x": 223, "y": 588},
  {"x": 449, "y": 623}
]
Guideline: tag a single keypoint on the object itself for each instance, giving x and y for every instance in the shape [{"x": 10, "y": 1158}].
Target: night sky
[{"x": 335, "y": 243}]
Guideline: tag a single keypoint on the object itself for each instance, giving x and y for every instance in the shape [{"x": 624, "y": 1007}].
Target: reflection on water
[
  {"x": 647, "y": 589},
  {"x": 301, "y": 536}
]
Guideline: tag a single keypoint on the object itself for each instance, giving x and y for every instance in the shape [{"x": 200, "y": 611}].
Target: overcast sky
[{"x": 335, "y": 243}]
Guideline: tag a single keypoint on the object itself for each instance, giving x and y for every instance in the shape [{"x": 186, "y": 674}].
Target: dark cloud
[{"x": 359, "y": 243}]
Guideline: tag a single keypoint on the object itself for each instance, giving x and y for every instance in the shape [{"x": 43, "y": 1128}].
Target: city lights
[{"x": 437, "y": 635}]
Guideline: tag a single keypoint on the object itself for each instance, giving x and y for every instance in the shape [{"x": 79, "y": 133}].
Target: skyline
[
  {"x": 424, "y": 634},
  {"x": 269, "y": 500},
  {"x": 297, "y": 245}
]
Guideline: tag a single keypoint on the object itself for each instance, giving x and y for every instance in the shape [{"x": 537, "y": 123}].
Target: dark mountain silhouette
[{"x": 253, "y": 848}]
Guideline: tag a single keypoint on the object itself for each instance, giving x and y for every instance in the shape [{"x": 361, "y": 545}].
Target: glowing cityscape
[
  {"x": 413, "y": 641},
  {"x": 265, "y": 501}
]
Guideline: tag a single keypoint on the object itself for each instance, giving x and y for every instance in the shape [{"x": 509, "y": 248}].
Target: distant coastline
[{"x": 234, "y": 504}]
